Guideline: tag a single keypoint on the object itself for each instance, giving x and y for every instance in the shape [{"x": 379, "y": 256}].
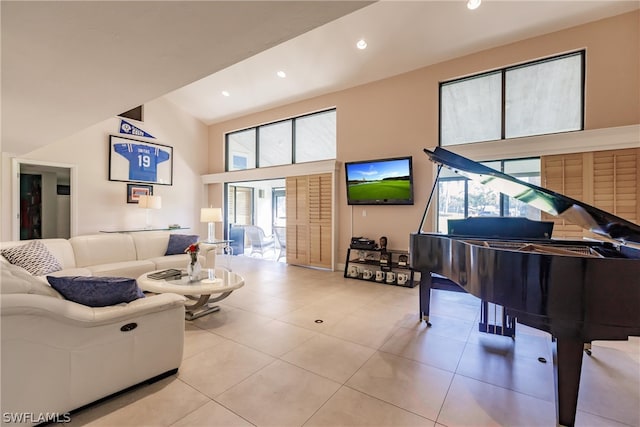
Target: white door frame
[{"x": 16, "y": 164}]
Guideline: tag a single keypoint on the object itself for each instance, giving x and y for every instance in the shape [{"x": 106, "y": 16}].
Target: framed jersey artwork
[{"x": 132, "y": 160}]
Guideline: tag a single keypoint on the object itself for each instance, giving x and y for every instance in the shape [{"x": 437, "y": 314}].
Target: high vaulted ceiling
[
  {"x": 69, "y": 65},
  {"x": 401, "y": 36}
]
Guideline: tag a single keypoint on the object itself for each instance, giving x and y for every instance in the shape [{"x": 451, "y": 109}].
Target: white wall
[{"x": 102, "y": 204}]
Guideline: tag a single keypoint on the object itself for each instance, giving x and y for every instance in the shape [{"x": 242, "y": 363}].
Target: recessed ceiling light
[
  {"x": 281, "y": 74},
  {"x": 361, "y": 44},
  {"x": 225, "y": 93},
  {"x": 473, "y": 4}
]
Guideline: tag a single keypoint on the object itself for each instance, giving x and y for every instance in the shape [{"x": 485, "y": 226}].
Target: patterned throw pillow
[
  {"x": 179, "y": 242},
  {"x": 97, "y": 291},
  {"x": 33, "y": 257}
]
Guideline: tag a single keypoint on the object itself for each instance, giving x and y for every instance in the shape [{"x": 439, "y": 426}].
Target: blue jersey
[{"x": 143, "y": 160}]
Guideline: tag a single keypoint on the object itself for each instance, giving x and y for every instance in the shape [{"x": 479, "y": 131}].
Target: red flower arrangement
[{"x": 193, "y": 250}]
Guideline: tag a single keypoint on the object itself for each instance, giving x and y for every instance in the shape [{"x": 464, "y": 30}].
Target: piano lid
[{"x": 574, "y": 211}]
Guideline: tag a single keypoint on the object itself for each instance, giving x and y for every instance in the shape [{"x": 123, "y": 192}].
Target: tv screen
[{"x": 380, "y": 182}]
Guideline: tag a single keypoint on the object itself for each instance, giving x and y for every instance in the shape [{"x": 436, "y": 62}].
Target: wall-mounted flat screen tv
[{"x": 380, "y": 182}]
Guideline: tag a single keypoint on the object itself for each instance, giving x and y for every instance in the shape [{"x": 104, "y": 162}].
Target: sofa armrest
[
  {"x": 83, "y": 316},
  {"x": 209, "y": 253}
]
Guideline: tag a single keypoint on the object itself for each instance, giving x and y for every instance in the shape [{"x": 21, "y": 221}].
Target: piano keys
[{"x": 578, "y": 291}]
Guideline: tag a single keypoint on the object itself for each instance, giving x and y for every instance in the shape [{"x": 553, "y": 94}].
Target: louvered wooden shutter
[
  {"x": 320, "y": 228},
  {"x": 608, "y": 180},
  {"x": 297, "y": 220},
  {"x": 310, "y": 220},
  {"x": 243, "y": 205},
  {"x": 563, "y": 174},
  {"x": 616, "y": 182}
]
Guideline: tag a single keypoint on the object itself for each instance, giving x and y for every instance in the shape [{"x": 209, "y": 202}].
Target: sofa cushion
[
  {"x": 17, "y": 280},
  {"x": 131, "y": 269},
  {"x": 59, "y": 248},
  {"x": 150, "y": 244},
  {"x": 97, "y": 291},
  {"x": 97, "y": 249},
  {"x": 178, "y": 243},
  {"x": 80, "y": 271},
  {"x": 33, "y": 257},
  {"x": 62, "y": 250}
]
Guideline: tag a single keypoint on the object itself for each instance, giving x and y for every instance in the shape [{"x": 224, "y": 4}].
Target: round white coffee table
[{"x": 218, "y": 281}]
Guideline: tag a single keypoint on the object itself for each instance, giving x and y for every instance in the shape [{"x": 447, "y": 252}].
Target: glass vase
[{"x": 193, "y": 270}]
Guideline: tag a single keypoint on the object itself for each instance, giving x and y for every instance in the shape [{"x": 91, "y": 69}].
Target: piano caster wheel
[
  {"x": 426, "y": 320},
  {"x": 587, "y": 349}
]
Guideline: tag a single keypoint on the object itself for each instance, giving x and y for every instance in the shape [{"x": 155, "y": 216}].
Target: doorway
[
  {"x": 43, "y": 205},
  {"x": 30, "y": 206},
  {"x": 259, "y": 204}
]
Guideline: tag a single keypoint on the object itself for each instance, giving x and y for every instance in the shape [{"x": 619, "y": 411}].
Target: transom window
[
  {"x": 307, "y": 138},
  {"x": 535, "y": 98}
]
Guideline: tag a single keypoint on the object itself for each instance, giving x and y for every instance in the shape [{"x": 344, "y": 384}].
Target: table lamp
[
  {"x": 211, "y": 215},
  {"x": 149, "y": 202}
]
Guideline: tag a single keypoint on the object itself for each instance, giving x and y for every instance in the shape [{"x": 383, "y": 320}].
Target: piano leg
[
  {"x": 567, "y": 366},
  {"x": 425, "y": 296}
]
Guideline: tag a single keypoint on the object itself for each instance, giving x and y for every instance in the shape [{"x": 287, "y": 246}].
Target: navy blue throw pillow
[
  {"x": 96, "y": 291},
  {"x": 179, "y": 242}
]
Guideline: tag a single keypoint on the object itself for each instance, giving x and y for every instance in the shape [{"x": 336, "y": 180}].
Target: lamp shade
[
  {"x": 211, "y": 215},
  {"x": 150, "y": 202}
]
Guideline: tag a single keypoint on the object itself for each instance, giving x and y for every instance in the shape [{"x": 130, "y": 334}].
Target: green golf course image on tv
[{"x": 380, "y": 182}]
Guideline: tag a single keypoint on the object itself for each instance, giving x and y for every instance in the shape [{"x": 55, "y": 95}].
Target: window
[
  {"x": 536, "y": 98},
  {"x": 279, "y": 204},
  {"x": 545, "y": 98},
  {"x": 460, "y": 198},
  {"x": 274, "y": 144},
  {"x": 316, "y": 137},
  {"x": 470, "y": 110},
  {"x": 302, "y": 139},
  {"x": 241, "y": 150},
  {"x": 239, "y": 205}
]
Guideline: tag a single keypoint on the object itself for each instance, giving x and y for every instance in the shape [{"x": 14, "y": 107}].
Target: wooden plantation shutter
[
  {"x": 320, "y": 208},
  {"x": 563, "y": 174},
  {"x": 616, "y": 182},
  {"x": 608, "y": 180},
  {"x": 297, "y": 220},
  {"x": 309, "y": 220},
  {"x": 241, "y": 205}
]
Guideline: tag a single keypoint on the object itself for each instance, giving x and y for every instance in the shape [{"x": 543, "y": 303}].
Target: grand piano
[{"x": 578, "y": 291}]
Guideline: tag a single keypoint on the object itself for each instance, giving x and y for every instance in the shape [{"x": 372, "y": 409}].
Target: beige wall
[
  {"x": 102, "y": 204},
  {"x": 399, "y": 116}
]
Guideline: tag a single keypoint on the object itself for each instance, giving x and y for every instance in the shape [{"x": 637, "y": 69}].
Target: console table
[{"x": 137, "y": 230}]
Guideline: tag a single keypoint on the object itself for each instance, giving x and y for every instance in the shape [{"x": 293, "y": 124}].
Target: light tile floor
[{"x": 263, "y": 360}]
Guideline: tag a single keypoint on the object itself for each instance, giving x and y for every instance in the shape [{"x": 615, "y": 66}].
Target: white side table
[{"x": 215, "y": 245}]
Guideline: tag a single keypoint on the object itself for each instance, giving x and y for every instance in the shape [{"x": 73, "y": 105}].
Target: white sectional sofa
[
  {"x": 114, "y": 254},
  {"x": 58, "y": 355}
]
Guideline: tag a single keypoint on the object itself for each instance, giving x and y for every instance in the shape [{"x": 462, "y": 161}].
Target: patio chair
[
  {"x": 281, "y": 237},
  {"x": 260, "y": 243}
]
